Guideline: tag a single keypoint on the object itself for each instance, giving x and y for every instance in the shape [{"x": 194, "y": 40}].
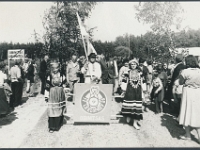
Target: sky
[{"x": 18, "y": 20}]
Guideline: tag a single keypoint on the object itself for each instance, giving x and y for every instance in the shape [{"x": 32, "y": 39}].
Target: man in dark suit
[
  {"x": 43, "y": 73},
  {"x": 175, "y": 73}
]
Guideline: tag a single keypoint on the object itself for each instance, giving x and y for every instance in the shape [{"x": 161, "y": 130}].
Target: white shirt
[
  {"x": 15, "y": 73},
  {"x": 122, "y": 71},
  {"x": 94, "y": 70},
  {"x": 150, "y": 68},
  {"x": 2, "y": 77}
]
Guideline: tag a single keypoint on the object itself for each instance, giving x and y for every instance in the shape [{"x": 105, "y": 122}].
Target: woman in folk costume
[
  {"x": 92, "y": 70},
  {"x": 132, "y": 103},
  {"x": 54, "y": 94}
]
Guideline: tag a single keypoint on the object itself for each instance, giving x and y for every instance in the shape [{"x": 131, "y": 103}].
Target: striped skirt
[{"x": 132, "y": 103}]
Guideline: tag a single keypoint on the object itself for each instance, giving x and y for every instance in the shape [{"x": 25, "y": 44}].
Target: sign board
[
  {"x": 92, "y": 102},
  {"x": 14, "y": 54}
]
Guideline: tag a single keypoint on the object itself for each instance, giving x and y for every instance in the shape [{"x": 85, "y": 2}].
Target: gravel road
[
  {"x": 27, "y": 127},
  {"x": 156, "y": 131}
]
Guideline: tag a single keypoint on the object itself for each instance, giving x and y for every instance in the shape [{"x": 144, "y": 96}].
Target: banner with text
[{"x": 15, "y": 54}]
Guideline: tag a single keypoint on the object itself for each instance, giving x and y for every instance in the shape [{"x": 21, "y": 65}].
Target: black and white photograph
[{"x": 99, "y": 74}]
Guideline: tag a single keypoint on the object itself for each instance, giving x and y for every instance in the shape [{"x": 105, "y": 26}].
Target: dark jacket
[
  {"x": 176, "y": 72},
  {"x": 145, "y": 72},
  {"x": 30, "y": 72},
  {"x": 175, "y": 75},
  {"x": 108, "y": 73},
  {"x": 43, "y": 69}
]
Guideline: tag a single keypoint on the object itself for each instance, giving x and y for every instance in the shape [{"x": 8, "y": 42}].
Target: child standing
[{"x": 157, "y": 92}]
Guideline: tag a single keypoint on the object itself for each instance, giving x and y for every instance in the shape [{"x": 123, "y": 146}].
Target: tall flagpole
[
  {"x": 86, "y": 54},
  {"x": 79, "y": 21}
]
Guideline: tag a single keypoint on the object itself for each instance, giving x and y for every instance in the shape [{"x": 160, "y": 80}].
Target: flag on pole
[
  {"x": 82, "y": 28},
  {"x": 91, "y": 49},
  {"x": 84, "y": 32}
]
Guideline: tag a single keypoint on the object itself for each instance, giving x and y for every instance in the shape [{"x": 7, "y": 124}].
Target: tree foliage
[
  {"x": 150, "y": 45},
  {"x": 162, "y": 16},
  {"x": 62, "y": 29},
  {"x": 122, "y": 52}
]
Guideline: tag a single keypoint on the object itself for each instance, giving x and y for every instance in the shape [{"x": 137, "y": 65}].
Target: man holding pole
[{"x": 92, "y": 70}]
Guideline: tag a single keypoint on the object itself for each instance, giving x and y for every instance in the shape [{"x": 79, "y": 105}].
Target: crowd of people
[
  {"x": 139, "y": 82},
  {"x": 12, "y": 83}
]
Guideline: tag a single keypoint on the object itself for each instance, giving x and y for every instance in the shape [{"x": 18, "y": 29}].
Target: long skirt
[
  {"x": 4, "y": 106},
  {"x": 132, "y": 103},
  {"x": 56, "y": 107},
  {"x": 190, "y": 107},
  {"x": 55, "y": 123}
]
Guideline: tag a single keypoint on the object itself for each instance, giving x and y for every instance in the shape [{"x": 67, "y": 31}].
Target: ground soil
[{"x": 27, "y": 127}]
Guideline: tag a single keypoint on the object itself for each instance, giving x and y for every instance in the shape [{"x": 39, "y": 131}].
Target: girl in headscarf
[
  {"x": 132, "y": 103},
  {"x": 55, "y": 96}
]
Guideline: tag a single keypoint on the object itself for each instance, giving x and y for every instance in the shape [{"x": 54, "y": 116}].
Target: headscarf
[{"x": 133, "y": 61}]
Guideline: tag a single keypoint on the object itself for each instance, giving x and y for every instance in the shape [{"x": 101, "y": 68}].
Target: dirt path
[
  {"x": 27, "y": 127},
  {"x": 156, "y": 131},
  {"x": 15, "y": 127}
]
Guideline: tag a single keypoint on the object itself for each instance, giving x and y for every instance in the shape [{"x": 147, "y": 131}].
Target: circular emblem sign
[{"x": 93, "y": 101}]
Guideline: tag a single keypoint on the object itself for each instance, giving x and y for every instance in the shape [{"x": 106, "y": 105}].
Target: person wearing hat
[
  {"x": 92, "y": 70},
  {"x": 55, "y": 97},
  {"x": 132, "y": 102},
  {"x": 175, "y": 73}
]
